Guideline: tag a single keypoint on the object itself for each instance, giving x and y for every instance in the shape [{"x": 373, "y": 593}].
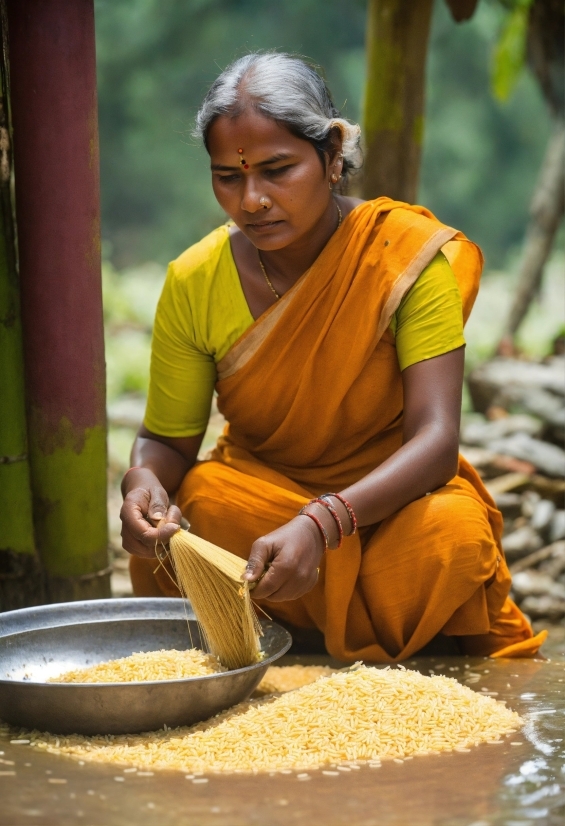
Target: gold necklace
[{"x": 264, "y": 271}]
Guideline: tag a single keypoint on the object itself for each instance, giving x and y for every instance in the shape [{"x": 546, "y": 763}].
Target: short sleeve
[
  {"x": 429, "y": 320},
  {"x": 182, "y": 375}
]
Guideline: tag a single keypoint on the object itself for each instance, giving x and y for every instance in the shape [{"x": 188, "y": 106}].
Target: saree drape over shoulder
[{"x": 313, "y": 396}]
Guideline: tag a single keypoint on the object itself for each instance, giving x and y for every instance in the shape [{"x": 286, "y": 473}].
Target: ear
[{"x": 335, "y": 149}]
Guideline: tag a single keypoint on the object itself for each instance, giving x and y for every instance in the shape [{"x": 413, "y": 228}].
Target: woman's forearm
[
  {"x": 426, "y": 462},
  {"x": 429, "y": 456},
  {"x": 168, "y": 463},
  {"x": 163, "y": 461}
]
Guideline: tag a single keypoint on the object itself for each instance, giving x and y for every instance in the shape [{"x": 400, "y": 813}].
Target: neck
[{"x": 290, "y": 262}]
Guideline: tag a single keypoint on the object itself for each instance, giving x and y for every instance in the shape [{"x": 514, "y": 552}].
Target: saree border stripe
[
  {"x": 410, "y": 274},
  {"x": 247, "y": 345}
]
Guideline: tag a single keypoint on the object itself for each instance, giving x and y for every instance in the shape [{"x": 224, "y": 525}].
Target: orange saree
[{"x": 437, "y": 565}]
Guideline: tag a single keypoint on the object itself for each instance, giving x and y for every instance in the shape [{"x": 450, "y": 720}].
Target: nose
[{"x": 251, "y": 195}]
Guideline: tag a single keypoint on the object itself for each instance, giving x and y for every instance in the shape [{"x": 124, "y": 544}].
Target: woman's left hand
[{"x": 292, "y": 554}]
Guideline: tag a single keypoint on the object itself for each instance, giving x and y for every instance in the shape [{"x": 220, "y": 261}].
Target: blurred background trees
[{"x": 480, "y": 158}]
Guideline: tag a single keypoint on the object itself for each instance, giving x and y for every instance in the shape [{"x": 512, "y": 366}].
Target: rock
[
  {"x": 476, "y": 456},
  {"x": 550, "y": 558},
  {"x": 557, "y": 527},
  {"x": 544, "y": 607},
  {"x": 546, "y": 457},
  {"x": 554, "y": 566},
  {"x": 482, "y": 433},
  {"x": 508, "y": 464},
  {"x": 543, "y": 404},
  {"x": 528, "y": 583},
  {"x": 521, "y": 542},
  {"x": 493, "y": 464},
  {"x": 530, "y": 500},
  {"x": 510, "y": 481},
  {"x": 548, "y": 488},
  {"x": 542, "y": 516},
  {"x": 494, "y": 382},
  {"x": 509, "y": 504}
]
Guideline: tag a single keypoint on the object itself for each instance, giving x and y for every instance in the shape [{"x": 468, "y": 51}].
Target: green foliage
[
  {"x": 157, "y": 57},
  {"x": 480, "y": 159},
  {"x": 155, "y": 60},
  {"x": 510, "y": 51},
  {"x": 130, "y": 299}
]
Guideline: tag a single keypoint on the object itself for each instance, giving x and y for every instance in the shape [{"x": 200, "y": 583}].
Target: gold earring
[{"x": 335, "y": 179}]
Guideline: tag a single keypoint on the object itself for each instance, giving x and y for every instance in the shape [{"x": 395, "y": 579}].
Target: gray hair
[{"x": 289, "y": 91}]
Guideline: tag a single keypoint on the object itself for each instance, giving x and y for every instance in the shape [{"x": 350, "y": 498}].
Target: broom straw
[{"x": 211, "y": 578}]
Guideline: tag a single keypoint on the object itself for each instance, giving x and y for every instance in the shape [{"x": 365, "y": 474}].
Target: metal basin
[{"x": 38, "y": 643}]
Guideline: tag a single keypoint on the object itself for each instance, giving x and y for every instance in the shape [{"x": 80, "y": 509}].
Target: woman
[{"x": 332, "y": 331}]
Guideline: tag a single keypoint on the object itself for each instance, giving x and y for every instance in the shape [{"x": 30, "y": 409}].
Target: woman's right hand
[{"x": 148, "y": 520}]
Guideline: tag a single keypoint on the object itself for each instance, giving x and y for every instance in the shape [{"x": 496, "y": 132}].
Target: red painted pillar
[{"x": 54, "y": 108}]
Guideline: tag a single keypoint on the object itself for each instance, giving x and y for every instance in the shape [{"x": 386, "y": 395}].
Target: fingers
[
  {"x": 141, "y": 507},
  {"x": 158, "y": 504},
  {"x": 293, "y": 553},
  {"x": 261, "y": 554},
  {"x": 281, "y": 584}
]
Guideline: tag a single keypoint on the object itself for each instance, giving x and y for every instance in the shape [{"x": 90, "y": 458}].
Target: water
[{"x": 519, "y": 782}]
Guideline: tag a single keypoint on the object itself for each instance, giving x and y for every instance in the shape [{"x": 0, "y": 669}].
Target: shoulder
[
  {"x": 437, "y": 276},
  {"x": 202, "y": 258},
  {"x": 347, "y": 204}
]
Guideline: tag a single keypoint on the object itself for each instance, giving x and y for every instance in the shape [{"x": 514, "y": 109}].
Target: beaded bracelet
[
  {"x": 319, "y": 524},
  {"x": 329, "y": 507},
  {"x": 347, "y": 507}
]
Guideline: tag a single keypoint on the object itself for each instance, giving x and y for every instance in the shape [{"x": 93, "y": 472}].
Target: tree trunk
[
  {"x": 545, "y": 53},
  {"x": 397, "y": 41},
  {"x": 546, "y": 212},
  {"x": 20, "y": 572},
  {"x": 54, "y": 111}
]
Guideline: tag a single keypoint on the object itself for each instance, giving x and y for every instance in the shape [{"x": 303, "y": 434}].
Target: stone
[
  {"x": 542, "y": 516},
  {"x": 548, "y": 458},
  {"x": 509, "y": 504},
  {"x": 544, "y": 607},
  {"x": 557, "y": 527},
  {"x": 521, "y": 542},
  {"x": 482, "y": 433}
]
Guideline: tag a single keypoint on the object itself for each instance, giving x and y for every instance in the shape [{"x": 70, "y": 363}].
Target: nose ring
[{"x": 264, "y": 202}]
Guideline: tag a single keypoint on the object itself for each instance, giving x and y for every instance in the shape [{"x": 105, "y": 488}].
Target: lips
[{"x": 263, "y": 224}]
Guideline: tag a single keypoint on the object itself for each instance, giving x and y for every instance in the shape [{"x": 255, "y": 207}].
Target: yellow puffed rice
[
  {"x": 282, "y": 678},
  {"x": 146, "y": 666},
  {"x": 364, "y": 714}
]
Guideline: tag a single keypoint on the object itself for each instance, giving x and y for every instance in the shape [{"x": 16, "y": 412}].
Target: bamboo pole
[
  {"x": 20, "y": 572},
  {"x": 397, "y": 42},
  {"x": 54, "y": 111}
]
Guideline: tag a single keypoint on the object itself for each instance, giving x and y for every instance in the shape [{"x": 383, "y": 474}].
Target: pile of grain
[
  {"x": 282, "y": 678},
  {"x": 146, "y": 666},
  {"x": 358, "y": 715}
]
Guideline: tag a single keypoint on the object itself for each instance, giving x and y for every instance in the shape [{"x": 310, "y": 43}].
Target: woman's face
[{"x": 283, "y": 169}]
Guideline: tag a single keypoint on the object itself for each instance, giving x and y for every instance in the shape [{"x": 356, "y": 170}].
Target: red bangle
[
  {"x": 319, "y": 524},
  {"x": 347, "y": 507},
  {"x": 329, "y": 507}
]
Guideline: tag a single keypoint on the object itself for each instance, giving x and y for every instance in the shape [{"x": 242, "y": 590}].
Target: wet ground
[{"x": 520, "y": 782}]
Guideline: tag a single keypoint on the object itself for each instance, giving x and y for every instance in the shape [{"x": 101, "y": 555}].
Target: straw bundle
[{"x": 211, "y": 579}]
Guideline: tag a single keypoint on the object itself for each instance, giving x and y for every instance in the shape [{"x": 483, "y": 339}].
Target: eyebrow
[{"x": 281, "y": 156}]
